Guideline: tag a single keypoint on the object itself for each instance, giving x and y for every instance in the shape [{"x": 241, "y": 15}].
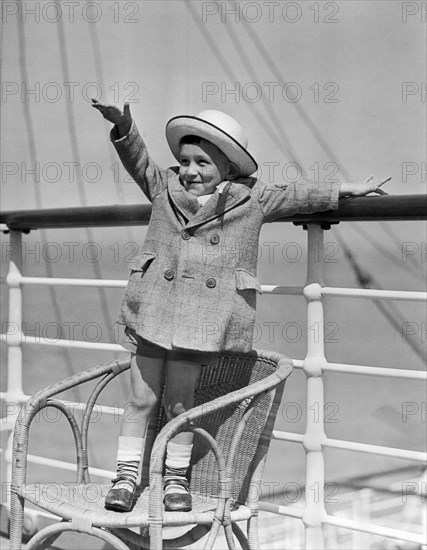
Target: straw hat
[{"x": 218, "y": 128}]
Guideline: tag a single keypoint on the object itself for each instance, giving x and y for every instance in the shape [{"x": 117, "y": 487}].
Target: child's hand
[
  {"x": 369, "y": 185},
  {"x": 113, "y": 113}
]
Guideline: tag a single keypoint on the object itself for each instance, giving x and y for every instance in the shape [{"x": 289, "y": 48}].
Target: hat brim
[{"x": 181, "y": 126}]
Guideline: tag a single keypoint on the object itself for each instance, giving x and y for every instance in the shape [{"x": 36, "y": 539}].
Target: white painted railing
[{"x": 314, "y": 440}]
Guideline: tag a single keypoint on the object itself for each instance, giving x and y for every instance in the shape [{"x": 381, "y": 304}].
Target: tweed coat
[{"x": 194, "y": 286}]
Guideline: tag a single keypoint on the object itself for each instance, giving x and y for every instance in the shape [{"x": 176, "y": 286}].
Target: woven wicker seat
[{"x": 235, "y": 406}]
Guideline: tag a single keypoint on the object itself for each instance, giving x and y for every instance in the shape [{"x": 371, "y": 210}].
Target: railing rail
[
  {"x": 314, "y": 440},
  {"x": 372, "y": 208}
]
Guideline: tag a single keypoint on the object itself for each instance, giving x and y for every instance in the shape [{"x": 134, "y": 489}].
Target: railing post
[
  {"x": 14, "y": 332},
  {"x": 313, "y": 364},
  {"x": 361, "y": 512},
  {"x": 14, "y": 393}
]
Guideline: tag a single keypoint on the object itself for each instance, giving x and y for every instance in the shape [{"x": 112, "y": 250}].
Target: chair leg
[
  {"x": 133, "y": 540},
  {"x": 16, "y": 521},
  {"x": 229, "y": 535},
  {"x": 48, "y": 541},
  {"x": 190, "y": 537},
  {"x": 138, "y": 542},
  {"x": 241, "y": 537},
  {"x": 253, "y": 533},
  {"x": 58, "y": 528},
  {"x": 228, "y": 526},
  {"x": 156, "y": 536},
  {"x": 213, "y": 533}
]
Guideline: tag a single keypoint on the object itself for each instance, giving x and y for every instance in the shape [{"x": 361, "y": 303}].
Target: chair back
[{"x": 230, "y": 373}]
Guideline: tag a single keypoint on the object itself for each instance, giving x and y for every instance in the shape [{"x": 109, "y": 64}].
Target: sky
[
  {"x": 323, "y": 90},
  {"x": 354, "y": 68}
]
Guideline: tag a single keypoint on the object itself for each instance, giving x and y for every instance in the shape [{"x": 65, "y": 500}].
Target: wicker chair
[{"x": 236, "y": 401}]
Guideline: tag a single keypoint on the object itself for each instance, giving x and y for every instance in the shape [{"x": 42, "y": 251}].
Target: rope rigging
[
  {"x": 76, "y": 155},
  {"x": 367, "y": 280},
  {"x": 312, "y": 126},
  {"x": 271, "y": 131},
  {"x": 37, "y": 189}
]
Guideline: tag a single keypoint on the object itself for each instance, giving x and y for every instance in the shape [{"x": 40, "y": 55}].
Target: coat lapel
[
  {"x": 185, "y": 203},
  {"x": 232, "y": 195},
  {"x": 194, "y": 214}
]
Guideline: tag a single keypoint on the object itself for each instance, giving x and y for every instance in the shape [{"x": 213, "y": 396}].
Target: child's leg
[
  {"x": 146, "y": 378},
  {"x": 181, "y": 378},
  {"x": 146, "y": 375}
]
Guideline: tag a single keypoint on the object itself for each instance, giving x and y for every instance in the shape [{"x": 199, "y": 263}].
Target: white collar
[
  {"x": 204, "y": 198},
  {"x": 221, "y": 186}
]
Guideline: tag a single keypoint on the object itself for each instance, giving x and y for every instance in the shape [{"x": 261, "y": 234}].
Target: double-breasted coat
[{"x": 194, "y": 284}]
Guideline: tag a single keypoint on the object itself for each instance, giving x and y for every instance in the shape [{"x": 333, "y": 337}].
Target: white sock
[
  {"x": 128, "y": 459},
  {"x": 177, "y": 462},
  {"x": 178, "y": 455},
  {"x": 130, "y": 448}
]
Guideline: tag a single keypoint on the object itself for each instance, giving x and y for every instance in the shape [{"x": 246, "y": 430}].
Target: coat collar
[
  {"x": 184, "y": 202},
  {"x": 232, "y": 195}
]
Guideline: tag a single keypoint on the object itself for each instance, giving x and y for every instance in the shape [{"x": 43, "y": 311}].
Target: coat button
[
  {"x": 214, "y": 238},
  {"x": 169, "y": 274},
  {"x": 211, "y": 282},
  {"x": 185, "y": 235}
]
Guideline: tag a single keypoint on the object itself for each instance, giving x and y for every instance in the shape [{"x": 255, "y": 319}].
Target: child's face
[{"x": 202, "y": 167}]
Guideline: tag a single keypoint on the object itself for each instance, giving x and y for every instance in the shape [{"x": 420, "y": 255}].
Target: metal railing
[{"x": 314, "y": 516}]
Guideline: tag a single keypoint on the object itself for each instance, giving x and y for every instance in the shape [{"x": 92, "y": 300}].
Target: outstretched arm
[
  {"x": 287, "y": 199},
  {"x": 369, "y": 185}
]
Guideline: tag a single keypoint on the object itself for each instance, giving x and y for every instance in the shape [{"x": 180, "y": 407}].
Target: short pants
[{"x": 138, "y": 345}]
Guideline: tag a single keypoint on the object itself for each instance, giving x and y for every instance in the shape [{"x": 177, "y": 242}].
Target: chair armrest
[{"x": 39, "y": 400}]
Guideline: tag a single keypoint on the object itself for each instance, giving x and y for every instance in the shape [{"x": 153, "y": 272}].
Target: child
[{"x": 192, "y": 291}]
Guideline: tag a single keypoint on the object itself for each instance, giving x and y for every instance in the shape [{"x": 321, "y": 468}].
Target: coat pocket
[
  {"x": 245, "y": 281},
  {"x": 142, "y": 261}
]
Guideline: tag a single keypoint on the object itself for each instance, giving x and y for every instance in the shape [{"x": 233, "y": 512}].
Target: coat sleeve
[
  {"x": 287, "y": 199},
  {"x": 134, "y": 155}
]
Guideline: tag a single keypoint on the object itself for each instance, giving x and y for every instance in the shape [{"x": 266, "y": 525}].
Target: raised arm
[
  {"x": 113, "y": 113},
  {"x": 132, "y": 150}
]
